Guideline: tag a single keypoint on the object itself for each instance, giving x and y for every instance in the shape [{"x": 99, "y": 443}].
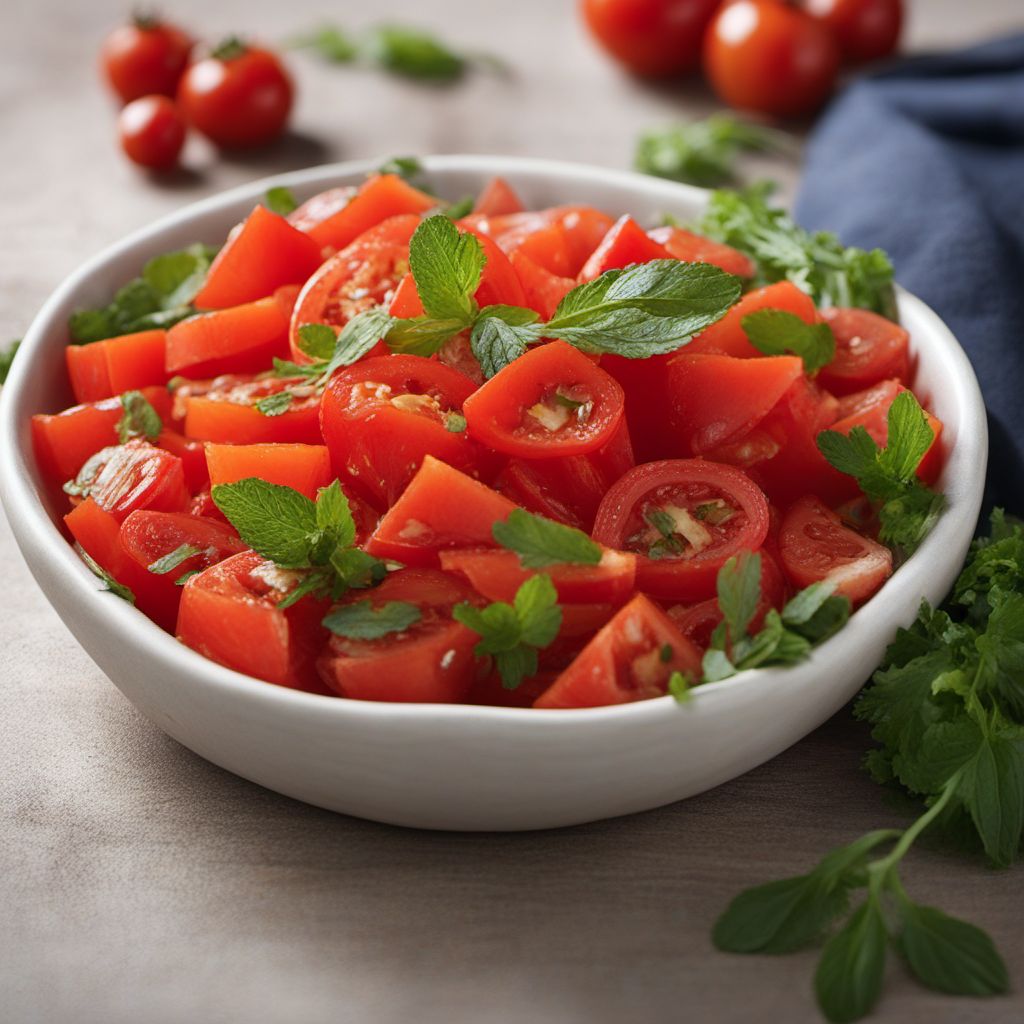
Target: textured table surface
[{"x": 141, "y": 884}]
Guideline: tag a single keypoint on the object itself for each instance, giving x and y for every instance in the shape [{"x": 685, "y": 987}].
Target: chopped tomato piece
[
  {"x": 303, "y": 467},
  {"x": 717, "y": 399},
  {"x": 240, "y": 339},
  {"x": 380, "y": 197},
  {"x": 498, "y": 575},
  {"x": 727, "y": 337},
  {"x": 630, "y": 659},
  {"x": 103, "y": 369},
  {"x": 568, "y": 490},
  {"x": 542, "y": 290},
  {"x": 193, "y": 458},
  {"x": 381, "y": 416},
  {"x": 691, "y": 248},
  {"x": 815, "y": 546},
  {"x": 684, "y": 518},
  {"x": 318, "y": 208},
  {"x": 551, "y": 401},
  {"x": 869, "y": 349},
  {"x": 263, "y": 253},
  {"x": 440, "y": 509},
  {"x": 135, "y": 475},
  {"x": 497, "y": 198},
  {"x": 431, "y": 661},
  {"x": 625, "y": 244}
]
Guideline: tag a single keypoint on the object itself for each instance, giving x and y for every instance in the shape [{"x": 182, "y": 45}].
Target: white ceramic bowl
[{"x": 461, "y": 767}]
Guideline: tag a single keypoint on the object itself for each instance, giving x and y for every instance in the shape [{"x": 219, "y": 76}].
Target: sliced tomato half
[
  {"x": 869, "y": 349},
  {"x": 625, "y": 244}
]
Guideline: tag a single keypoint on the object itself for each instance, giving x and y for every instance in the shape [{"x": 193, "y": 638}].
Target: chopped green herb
[
  {"x": 186, "y": 576},
  {"x": 139, "y": 418},
  {"x": 460, "y": 208},
  {"x": 109, "y": 583},
  {"x": 280, "y": 200},
  {"x": 331, "y": 43},
  {"x": 276, "y": 404},
  {"x": 408, "y": 167},
  {"x": 363, "y": 621},
  {"x": 540, "y": 542},
  {"x": 455, "y": 422},
  {"x": 171, "y": 561},
  {"x": 7, "y": 358},
  {"x": 679, "y": 687},
  {"x": 413, "y": 53},
  {"x": 666, "y": 653},
  {"x": 715, "y": 512},
  {"x": 776, "y": 332}
]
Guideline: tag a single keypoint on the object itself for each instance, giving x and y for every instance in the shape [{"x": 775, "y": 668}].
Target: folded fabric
[{"x": 926, "y": 161}]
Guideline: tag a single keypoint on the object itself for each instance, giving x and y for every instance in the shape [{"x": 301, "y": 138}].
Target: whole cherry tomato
[
  {"x": 152, "y": 132},
  {"x": 651, "y": 37},
  {"x": 864, "y": 29},
  {"x": 239, "y": 96},
  {"x": 766, "y": 56},
  {"x": 148, "y": 56}
]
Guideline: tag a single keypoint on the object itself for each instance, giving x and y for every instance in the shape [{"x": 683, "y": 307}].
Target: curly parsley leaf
[
  {"x": 514, "y": 633},
  {"x": 776, "y": 332},
  {"x": 365, "y": 621},
  {"x": 7, "y": 358},
  {"x": 139, "y": 418},
  {"x": 540, "y": 542}
]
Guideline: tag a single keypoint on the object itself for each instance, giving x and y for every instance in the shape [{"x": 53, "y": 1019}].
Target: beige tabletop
[{"x": 141, "y": 885}]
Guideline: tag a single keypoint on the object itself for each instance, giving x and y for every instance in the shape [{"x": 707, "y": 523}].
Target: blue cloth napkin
[{"x": 926, "y": 161}]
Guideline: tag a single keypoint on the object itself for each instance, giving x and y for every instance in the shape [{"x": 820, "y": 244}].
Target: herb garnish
[
  {"x": 540, "y": 542},
  {"x": 776, "y": 332},
  {"x": 139, "y": 418},
  {"x": 280, "y": 200},
  {"x": 362, "y": 621},
  {"x": 108, "y": 581},
  {"x": 7, "y": 358}
]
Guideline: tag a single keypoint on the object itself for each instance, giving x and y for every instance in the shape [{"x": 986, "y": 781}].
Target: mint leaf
[
  {"x": 908, "y": 440},
  {"x": 275, "y": 521},
  {"x": 413, "y": 53},
  {"x": 280, "y": 200},
  {"x": 334, "y": 515},
  {"x": 776, "y": 332},
  {"x": 539, "y": 542},
  {"x": 276, "y": 404},
  {"x": 536, "y": 606},
  {"x": 739, "y": 591},
  {"x": 7, "y": 358},
  {"x": 109, "y": 583},
  {"x": 446, "y": 264},
  {"x": 501, "y": 335},
  {"x": 139, "y": 418},
  {"x": 991, "y": 788},
  {"x": 407, "y": 167},
  {"x": 331, "y": 43},
  {"x": 318, "y": 341},
  {"x": 171, "y": 561},
  {"x": 363, "y": 621},
  {"x": 848, "y": 981},
  {"x": 357, "y": 337}
]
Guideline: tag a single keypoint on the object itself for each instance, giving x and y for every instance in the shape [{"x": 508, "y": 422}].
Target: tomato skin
[
  {"x": 717, "y": 399},
  {"x": 103, "y": 369},
  {"x": 303, "y": 467},
  {"x": 542, "y": 290},
  {"x": 364, "y": 274},
  {"x": 624, "y": 662},
  {"x": 379, "y": 429},
  {"x": 864, "y": 29},
  {"x": 869, "y": 349},
  {"x": 625, "y": 243},
  {"x": 145, "y": 57},
  {"x": 653, "y": 38},
  {"x": 568, "y": 490},
  {"x": 691, "y": 248},
  {"x": 237, "y": 101},
  {"x": 815, "y": 546},
  {"x": 431, "y": 662},
  {"x": 151, "y": 131},
  {"x": 771, "y": 58},
  {"x": 498, "y": 575},
  {"x": 261, "y": 255},
  {"x": 192, "y": 455},
  {"x": 497, "y": 198},
  {"x": 136, "y": 475},
  {"x": 690, "y": 578},
  {"x": 229, "y": 613},
  {"x": 440, "y": 509},
  {"x": 496, "y": 413}
]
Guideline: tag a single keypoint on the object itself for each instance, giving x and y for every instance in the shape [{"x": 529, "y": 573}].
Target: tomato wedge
[
  {"x": 135, "y": 475},
  {"x": 631, "y": 658},
  {"x": 496, "y": 198},
  {"x": 361, "y": 276},
  {"x": 542, "y": 290},
  {"x": 815, "y": 546},
  {"x": 684, "y": 518},
  {"x": 303, "y": 467},
  {"x": 441, "y": 508},
  {"x": 869, "y": 349},
  {"x": 193, "y": 458},
  {"x": 691, "y": 248},
  {"x": 318, "y": 208},
  {"x": 261, "y": 255},
  {"x": 431, "y": 661},
  {"x": 551, "y": 401},
  {"x": 625, "y": 244},
  {"x": 229, "y": 613},
  {"x": 103, "y": 369},
  {"x": 381, "y": 416}
]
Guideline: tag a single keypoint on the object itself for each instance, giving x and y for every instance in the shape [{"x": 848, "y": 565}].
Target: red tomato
[
  {"x": 498, "y": 575},
  {"x": 192, "y": 455},
  {"x": 381, "y": 417},
  {"x": 625, "y": 244},
  {"x": 240, "y": 339},
  {"x": 239, "y": 96},
  {"x": 229, "y": 613},
  {"x": 718, "y": 399},
  {"x": 135, "y": 475},
  {"x": 691, "y": 248},
  {"x": 152, "y": 132},
  {"x": 864, "y": 29},
  {"x": 317, "y": 209},
  {"x": 727, "y": 337},
  {"x": 684, "y": 518},
  {"x": 303, "y": 467},
  {"x": 361, "y": 276},
  {"x": 147, "y": 56},
  {"x": 432, "y": 661},
  {"x": 225, "y": 410},
  {"x": 815, "y": 546},
  {"x": 103, "y": 369},
  {"x": 631, "y": 658},
  {"x": 262, "y": 254},
  {"x": 497, "y": 198},
  {"x": 551, "y": 401},
  {"x": 651, "y": 37},
  {"x": 766, "y": 56},
  {"x": 542, "y": 290},
  {"x": 440, "y": 509},
  {"x": 869, "y": 349}
]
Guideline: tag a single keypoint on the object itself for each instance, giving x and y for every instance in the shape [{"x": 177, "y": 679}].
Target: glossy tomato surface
[
  {"x": 152, "y": 132},
  {"x": 145, "y": 57},
  {"x": 864, "y": 29},
  {"x": 869, "y": 349}
]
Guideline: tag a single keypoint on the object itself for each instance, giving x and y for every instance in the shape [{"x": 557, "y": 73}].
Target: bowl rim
[{"x": 39, "y": 537}]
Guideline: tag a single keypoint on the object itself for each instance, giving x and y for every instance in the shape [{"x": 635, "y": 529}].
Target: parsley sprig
[
  {"x": 947, "y": 710},
  {"x": 293, "y": 532},
  {"x": 888, "y": 476}
]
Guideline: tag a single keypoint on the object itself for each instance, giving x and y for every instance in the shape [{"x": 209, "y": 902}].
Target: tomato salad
[{"x": 384, "y": 448}]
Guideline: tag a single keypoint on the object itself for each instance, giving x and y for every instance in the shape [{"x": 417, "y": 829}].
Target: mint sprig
[{"x": 776, "y": 332}]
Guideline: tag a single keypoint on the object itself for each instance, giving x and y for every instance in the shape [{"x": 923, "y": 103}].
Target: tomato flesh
[
  {"x": 869, "y": 349},
  {"x": 136, "y": 475},
  {"x": 103, "y": 369},
  {"x": 497, "y": 198},
  {"x": 303, "y": 467},
  {"x": 691, "y": 248},
  {"x": 625, "y": 244}
]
